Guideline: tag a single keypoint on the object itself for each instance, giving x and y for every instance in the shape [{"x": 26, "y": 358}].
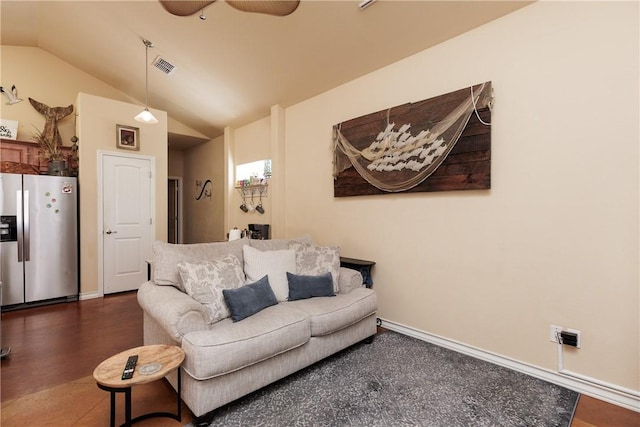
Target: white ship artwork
[
  {"x": 401, "y": 157},
  {"x": 398, "y": 150}
]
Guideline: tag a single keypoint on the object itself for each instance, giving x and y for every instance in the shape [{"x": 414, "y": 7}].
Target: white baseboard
[
  {"x": 629, "y": 399},
  {"x": 90, "y": 295}
]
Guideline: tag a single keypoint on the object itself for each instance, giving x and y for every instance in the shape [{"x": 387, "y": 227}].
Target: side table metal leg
[
  {"x": 112, "y": 417},
  {"x": 179, "y": 394},
  {"x": 127, "y": 407}
]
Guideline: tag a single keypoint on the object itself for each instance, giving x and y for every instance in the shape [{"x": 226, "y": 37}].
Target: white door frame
[
  {"x": 180, "y": 208},
  {"x": 152, "y": 164}
]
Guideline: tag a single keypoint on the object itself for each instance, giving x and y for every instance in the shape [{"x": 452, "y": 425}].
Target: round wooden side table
[{"x": 157, "y": 359}]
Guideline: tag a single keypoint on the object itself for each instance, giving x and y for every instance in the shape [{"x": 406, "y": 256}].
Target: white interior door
[{"x": 127, "y": 228}]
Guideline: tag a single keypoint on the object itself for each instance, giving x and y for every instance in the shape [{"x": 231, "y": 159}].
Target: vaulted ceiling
[{"x": 233, "y": 66}]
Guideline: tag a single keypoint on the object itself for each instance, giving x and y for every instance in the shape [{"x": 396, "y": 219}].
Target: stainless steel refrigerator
[{"x": 38, "y": 239}]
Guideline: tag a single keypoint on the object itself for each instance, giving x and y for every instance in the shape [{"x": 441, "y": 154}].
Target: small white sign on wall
[{"x": 8, "y": 129}]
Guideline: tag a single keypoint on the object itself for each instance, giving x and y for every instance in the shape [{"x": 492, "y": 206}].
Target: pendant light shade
[{"x": 145, "y": 115}]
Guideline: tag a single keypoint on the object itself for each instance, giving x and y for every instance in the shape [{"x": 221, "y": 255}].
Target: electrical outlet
[
  {"x": 554, "y": 331},
  {"x": 578, "y": 334}
]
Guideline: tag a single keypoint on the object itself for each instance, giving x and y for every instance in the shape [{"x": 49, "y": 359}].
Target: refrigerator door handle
[
  {"x": 27, "y": 231},
  {"x": 19, "y": 223}
]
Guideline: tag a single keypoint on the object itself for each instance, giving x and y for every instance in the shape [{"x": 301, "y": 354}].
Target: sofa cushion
[
  {"x": 329, "y": 315},
  {"x": 249, "y": 299},
  {"x": 303, "y": 287},
  {"x": 273, "y": 264},
  {"x": 278, "y": 244},
  {"x": 314, "y": 260},
  {"x": 349, "y": 280},
  {"x": 204, "y": 281},
  {"x": 229, "y": 346},
  {"x": 166, "y": 256}
]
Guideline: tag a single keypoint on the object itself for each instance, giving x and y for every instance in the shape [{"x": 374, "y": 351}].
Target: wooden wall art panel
[{"x": 438, "y": 144}]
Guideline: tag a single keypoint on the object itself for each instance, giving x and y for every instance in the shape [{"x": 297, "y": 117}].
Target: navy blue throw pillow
[
  {"x": 303, "y": 287},
  {"x": 249, "y": 299}
]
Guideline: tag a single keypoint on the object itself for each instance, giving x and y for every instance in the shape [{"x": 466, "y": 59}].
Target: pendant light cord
[
  {"x": 147, "y": 45},
  {"x": 145, "y": 115},
  {"x": 146, "y": 75}
]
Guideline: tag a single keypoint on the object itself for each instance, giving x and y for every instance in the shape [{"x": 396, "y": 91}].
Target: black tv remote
[{"x": 130, "y": 367}]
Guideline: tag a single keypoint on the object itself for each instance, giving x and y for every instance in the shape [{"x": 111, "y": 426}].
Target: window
[{"x": 254, "y": 173}]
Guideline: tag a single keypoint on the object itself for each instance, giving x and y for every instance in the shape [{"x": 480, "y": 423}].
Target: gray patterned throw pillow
[
  {"x": 205, "y": 280},
  {"x": 166, "y": 256},
  {"x": 314, "y": 260}
]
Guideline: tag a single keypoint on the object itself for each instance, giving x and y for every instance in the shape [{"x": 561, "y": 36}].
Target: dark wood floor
[
  {"x": 60, "y": 343},
  {"x": 55, "y": 344}
]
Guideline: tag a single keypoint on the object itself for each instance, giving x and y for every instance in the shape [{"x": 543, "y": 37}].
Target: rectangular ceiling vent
[{"x": 164, "y": 65}]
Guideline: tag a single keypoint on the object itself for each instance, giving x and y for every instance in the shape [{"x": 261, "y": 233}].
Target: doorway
[
  {"x": 127, "y": 217},
  {"x": 174, "y": 199}
]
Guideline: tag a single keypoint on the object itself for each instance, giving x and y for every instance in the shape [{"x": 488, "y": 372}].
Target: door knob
[{"x": 108, "y": 231}]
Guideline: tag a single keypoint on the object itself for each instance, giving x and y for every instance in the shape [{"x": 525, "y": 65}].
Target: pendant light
[{"x": 145, "y": 115}]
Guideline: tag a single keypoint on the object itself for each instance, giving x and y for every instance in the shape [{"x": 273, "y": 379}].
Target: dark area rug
[{"x": 402, "y": 381}]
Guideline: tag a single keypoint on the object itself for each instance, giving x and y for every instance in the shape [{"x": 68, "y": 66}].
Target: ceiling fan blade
[
  {"x": 269, "y": 7},
  {"x": 184, "y": 7}
]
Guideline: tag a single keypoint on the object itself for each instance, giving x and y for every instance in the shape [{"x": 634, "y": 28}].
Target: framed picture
[{"x": 127, "y": 137}]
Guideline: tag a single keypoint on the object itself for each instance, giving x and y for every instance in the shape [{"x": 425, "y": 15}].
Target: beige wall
[
  {"x": 96, "y": 129},
  {"x": 45, "y": 78},
  {"x": 176, "y": 163},
  {"x": 42, "y": 76},
  {"x": 204, "y": 218},
  {"x": 250, "y": 143},
  {"x": 555, "y": 240}
]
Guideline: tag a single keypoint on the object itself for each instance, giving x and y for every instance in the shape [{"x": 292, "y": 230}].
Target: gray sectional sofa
[{"x": 184, "y": 305}]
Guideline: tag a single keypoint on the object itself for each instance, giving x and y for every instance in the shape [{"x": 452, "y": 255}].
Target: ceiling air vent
[{"x": 164, "y": 65}]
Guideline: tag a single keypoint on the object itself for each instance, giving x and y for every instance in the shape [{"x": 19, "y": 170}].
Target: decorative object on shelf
[
  {"x": 11, "y": 95},
  {"x": 235, "y": 234},
  {"x": 8, "y": 129},
  {"x": 259, "y": 231},
  {"x": 440, "y": 144},
  {"x": 204, "y": 191},
  {"x": 260, "y": 208},
  {"x": 57, "y": 168},
  {"x": 49, "y": 148},
  {"x": 49, "y": 139},
  {"x": 25, "y": 157},
  {"x": 73, "y": 157},
  {"x": 145, "y": 115},
  {"x": 268, "y": 7},
  {"x": 249, "y": 190},
  {"x": 252, "y": 206},
  {"x": 361, "y": 265},
  {"x": 127, "y": 137},
  {"x": 259, "y": 190},
  {"x": 243, "y": 206}
]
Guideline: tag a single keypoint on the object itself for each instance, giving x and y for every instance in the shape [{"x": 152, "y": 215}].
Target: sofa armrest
[
  {"x": 348, "y": 280},
  {"x": 176, "y": 312}
]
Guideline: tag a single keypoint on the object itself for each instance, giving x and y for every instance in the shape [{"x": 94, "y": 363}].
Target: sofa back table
[
  {"x": 154, "y": 363},
  {"x": 361, "y": 265}
]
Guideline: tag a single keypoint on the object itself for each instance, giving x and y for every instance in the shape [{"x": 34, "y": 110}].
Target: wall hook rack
[{"x": 259, "y": 190}]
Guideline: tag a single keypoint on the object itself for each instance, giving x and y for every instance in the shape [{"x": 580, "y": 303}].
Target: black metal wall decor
[
  {"x": 438, "y": 144},
  {"x": 203, "y": 189}
]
